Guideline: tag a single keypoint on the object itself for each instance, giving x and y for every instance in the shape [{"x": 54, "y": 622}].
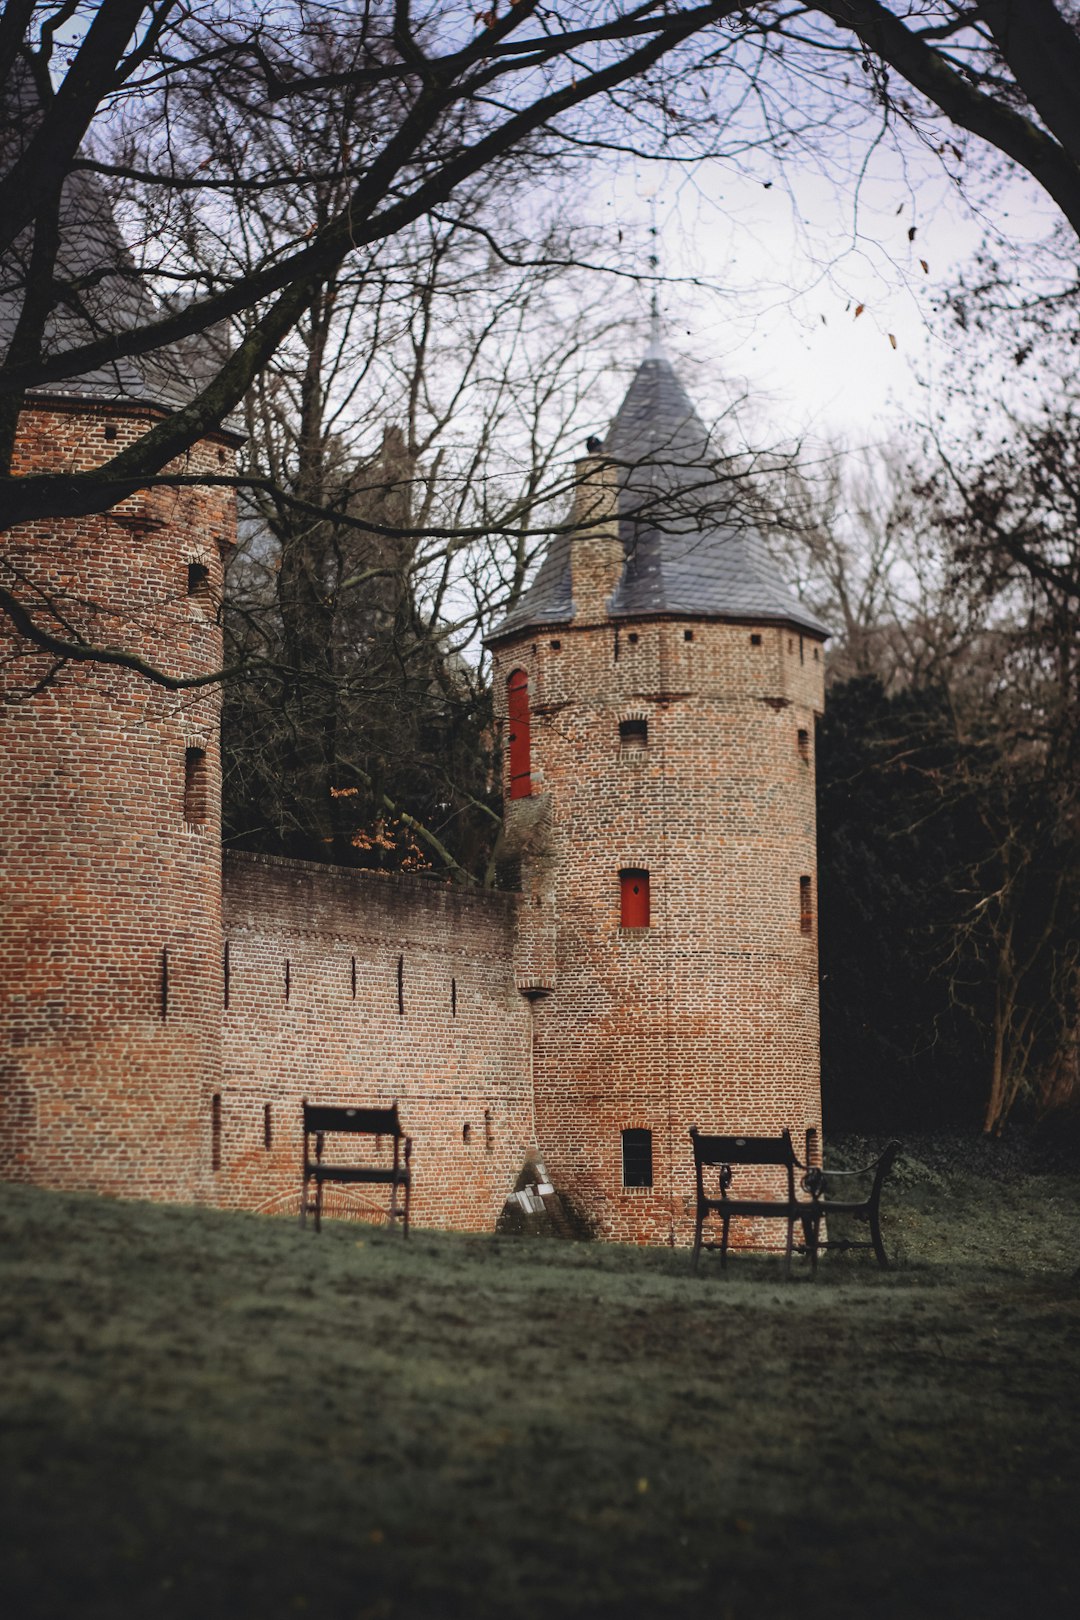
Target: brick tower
[
  {"x": 110, "y": 954},
  {"x": 658, "y": 688}
]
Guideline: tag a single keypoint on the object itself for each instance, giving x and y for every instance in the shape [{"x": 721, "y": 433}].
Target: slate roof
[
  {"x": 105, "y": 295},
  {"x": 688, "y": 551}
]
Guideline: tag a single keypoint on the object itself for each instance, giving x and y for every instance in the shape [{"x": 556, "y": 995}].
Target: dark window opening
[
  {"x": 288, "y": 978},
  {"x": 688, "y": 635},
  {"x": 198, "y": 581},
  {"x": 268, "y": 1128},
  {"x": 453, "y": 998},
  {"x": 755, "y": 640},
  {"x": 489, "y": 1131},
  {"x": 196, "y": 797},
  {"x": 817, "y": 654},
  {"x": 806, "y": 908},
  {"x": 634, "y": 897},
  {"x": 352, "y": 978},
  {"x": 519, "y": 740},
  {"x": 110, "y": 431},
  {"x": 466, "y": 1133},
  {"x": 165, "y": 981},
  {"x": 804, "y": 746},
  {"x": 637, "y": 1159},
  {"x": 215, "y": 1131},
  {"x": 633, "y": 733},
  {"x": 802, "y": 651},
  {"x": 221, "y": 457},
  {"x": 225, "y": 973},
  {"x": 401, "y": 986},
  {"x": 555, "y": 645},
  {"x": 633, "y": 638}
]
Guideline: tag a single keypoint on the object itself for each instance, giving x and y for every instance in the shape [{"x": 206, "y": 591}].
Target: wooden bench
[
  {"x": 322, "y": 1121},
  {"x": 831, "y": 1194},
  {"x": 725, "y": 1153}
]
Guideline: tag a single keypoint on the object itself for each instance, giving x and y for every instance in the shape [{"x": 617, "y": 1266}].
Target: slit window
[
  {"x": 215, "y": 1131},
  {"x": 633, "y": 735},
  {"x": 633, "y": 897},
  {"x": 806, "y": 906},
  {"x": 804, "y": 746},
  {"x": 520, "y": 748},
  {"x": 196, "y": 798},
  {"x": 637, "y": 1168}
]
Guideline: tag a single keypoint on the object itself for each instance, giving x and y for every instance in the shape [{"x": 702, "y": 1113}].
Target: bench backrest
[
  {"x": 743, "y": 1149},
  {"x": 354, "y": 1121},
  {"x": 726, "y": 1151}
]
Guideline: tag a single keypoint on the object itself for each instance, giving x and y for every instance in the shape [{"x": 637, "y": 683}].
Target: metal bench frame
[
  {"x": 725, "y": 1152},
  {"x": 322, "y": 1120},
  {"x": 867, "y": 1208}
]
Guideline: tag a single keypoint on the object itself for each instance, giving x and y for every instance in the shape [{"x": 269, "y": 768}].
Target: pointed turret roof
[
  {"x": 690, "y": 550},
  {"x": 103, "y": 291}
]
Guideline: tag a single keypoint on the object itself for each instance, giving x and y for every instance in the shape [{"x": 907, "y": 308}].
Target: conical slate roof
[
  {"x": 688, "y": 551},
  {"x": 101, "y": 291}
]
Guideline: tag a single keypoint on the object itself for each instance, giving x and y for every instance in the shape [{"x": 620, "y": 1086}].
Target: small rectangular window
[
  {"x": 806, "y": 906},
  {"x": 637, "y": 1159},
  {"x": 804, "y": 746},
  {"x": 755, "y": 640},
  {"x": 198, "y": 582},
  {"x": 633, "y": 733},
  {"x": 195, "y": 786},
  {"x": 633, "y": 897}
]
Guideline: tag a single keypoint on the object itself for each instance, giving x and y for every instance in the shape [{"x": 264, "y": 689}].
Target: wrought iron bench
[
  {"x": 725, "y": 1153},
  {"x": 830, "y": 1195},
  {"x": 321, "y": 1121}
]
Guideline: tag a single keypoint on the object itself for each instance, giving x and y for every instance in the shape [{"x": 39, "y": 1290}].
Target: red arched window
[
  {"x": 517, "y": 706},
  {"x": 634, "y": 898}
]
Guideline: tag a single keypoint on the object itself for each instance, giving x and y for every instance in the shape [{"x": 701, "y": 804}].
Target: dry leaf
[
  {"x": 925, "y": 267},
  {"x": 859, "y": 309},
  {"x": 892, "y": 340},
  {"x": 911, "y": 233}
]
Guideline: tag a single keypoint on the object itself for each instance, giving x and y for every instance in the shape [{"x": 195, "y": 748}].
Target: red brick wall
[
  {"x": 456, "y": 1055},
  {"x": 709, "y": 1016},
  {"x": 100, "y": 873}
]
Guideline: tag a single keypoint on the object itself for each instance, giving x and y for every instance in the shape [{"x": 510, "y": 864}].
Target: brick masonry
[
  {"x": 161, "y": 1023},
  {"x": 112, "y": 901},
  {"x": 361, "y": 987},
  {"x": 709, "y": 1016}
]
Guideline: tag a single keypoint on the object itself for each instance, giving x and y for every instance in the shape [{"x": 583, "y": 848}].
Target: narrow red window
[
  {"x": 634, "y": 898},
  {"x": 518, "y": 715}
]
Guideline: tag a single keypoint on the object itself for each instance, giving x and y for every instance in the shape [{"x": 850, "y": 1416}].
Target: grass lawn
[{"x": 220, "y": 1415}]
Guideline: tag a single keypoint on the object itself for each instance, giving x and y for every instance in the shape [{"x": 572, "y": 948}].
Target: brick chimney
[{"x": 596, "y": 553}]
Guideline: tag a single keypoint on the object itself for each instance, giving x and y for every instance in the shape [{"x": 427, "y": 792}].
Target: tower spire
[{"x": 655, "y": 351}]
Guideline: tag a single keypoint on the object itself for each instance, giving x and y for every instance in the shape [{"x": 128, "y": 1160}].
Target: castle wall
[
  {"x": 709, "y": 1016},
  {"x": 358, "y": 987},
  {"x": 110, "y": 982}
]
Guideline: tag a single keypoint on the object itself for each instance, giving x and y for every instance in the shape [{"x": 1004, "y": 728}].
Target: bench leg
[
  {"x": 318, "y": 1205},
  {"x": 811, "y": 1234},
  {"x": 875, "y": 1238},
  {"x": 790, "y": 1245},
  {"x": 723, "y": 1242},
  {"x": 303, "y": 1202},
  {"x": 405, "y": 1214},
  {"x": 697, "y": 1241}
]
